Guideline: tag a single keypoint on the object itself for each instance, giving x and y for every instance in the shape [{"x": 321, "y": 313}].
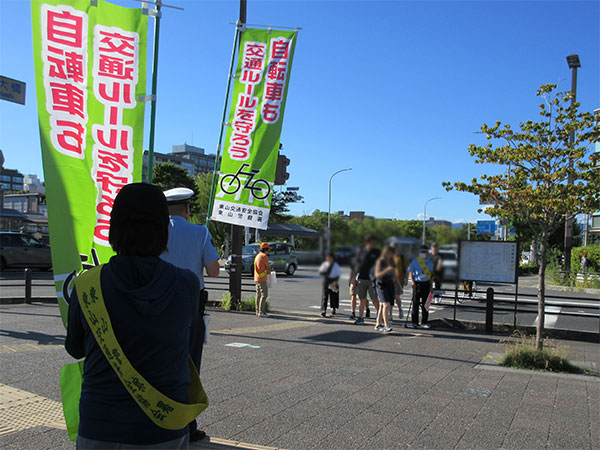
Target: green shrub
[
  {"x": 226, "y": 301},
  {"x": 246, "y": 304},
  {"x": 523, "y": 354},
  {"x": 529, "y": 269}
]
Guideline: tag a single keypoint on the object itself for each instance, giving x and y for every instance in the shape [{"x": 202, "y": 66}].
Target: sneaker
[
  {"x": 378, "y": 327},
  {"x": 323, "y": 315},
  {"x": 401, "y": 315},
  {"x": 368, "y": 313},
  {"x": 426, "y": 326},
  {"x": 358, "y": 321},
  {"x": 352, "y": 316},
  {"x": 387, "y": 329},
  {"x": 414, "y": 325},
  {"x": 265, "y": 314},
  {"x": 333, "y": 312}
]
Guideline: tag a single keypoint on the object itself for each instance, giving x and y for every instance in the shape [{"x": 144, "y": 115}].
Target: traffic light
[{"x": 281, "y": 174}]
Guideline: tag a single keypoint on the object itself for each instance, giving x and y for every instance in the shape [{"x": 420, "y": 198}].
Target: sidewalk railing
[{"x": 587, "y": 307}]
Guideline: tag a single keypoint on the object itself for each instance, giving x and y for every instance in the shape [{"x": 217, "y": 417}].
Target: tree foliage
[{"x": 536, "y": 160}]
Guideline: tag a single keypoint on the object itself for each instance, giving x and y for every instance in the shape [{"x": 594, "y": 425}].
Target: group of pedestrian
[{"x": 381, "y": 276}]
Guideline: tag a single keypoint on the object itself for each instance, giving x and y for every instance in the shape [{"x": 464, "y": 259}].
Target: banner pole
[
  {"x": 153, "y": 104},
  {"x": 219, "y": 145}
]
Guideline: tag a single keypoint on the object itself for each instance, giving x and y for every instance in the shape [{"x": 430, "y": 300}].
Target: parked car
[
  {"x": 345, "y": 254},
  {"x": 282, "y": 258},
  {"x": 450, "y": 265},
  {"x": 23, "y": 250}
]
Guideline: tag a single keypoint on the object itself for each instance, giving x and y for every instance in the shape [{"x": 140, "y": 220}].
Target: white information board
[{"x": 492, "y": 261}]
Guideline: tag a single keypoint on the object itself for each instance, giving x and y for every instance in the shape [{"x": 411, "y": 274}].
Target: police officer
[
  {"x": 420, "y": 271},
  {"x": 190, "y": 247}
]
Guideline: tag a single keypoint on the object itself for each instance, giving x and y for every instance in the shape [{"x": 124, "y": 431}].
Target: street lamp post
[
  {"x": 425, "y": 214},
  {"x": 329, "y": 209},
  {"x": 573, "y": 62}
]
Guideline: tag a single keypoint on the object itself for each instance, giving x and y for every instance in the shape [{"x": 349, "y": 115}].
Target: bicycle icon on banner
[{"x": 232, "y": 183}]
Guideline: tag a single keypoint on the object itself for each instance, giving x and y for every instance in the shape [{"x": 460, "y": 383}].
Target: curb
[
  {"x": 20, "y": 300},
  {"x": 505, "y": 329}
]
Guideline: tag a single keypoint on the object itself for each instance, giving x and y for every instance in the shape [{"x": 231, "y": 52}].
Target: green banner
[
  {"x": 90, "y": 64},
  {"x": 247, "y": 175}
]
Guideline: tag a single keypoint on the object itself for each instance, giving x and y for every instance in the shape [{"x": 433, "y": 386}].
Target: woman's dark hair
[
  {"x": 331, "y": 254},
  {"x": 139, "y": 222}
]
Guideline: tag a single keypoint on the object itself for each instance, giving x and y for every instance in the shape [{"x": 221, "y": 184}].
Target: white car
[{"x": 449, "y": 264}]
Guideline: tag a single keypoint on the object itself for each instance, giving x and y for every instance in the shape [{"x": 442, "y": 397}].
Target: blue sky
[{"x": 393, "y": 89}]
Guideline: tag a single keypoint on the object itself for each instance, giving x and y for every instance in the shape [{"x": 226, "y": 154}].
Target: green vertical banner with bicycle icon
[{"x": 247, "y": 175}]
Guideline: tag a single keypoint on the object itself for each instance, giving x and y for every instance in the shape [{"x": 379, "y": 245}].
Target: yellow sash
[
  {"x": 163, "y": 411},
  {"x": 424, "y": 267}
]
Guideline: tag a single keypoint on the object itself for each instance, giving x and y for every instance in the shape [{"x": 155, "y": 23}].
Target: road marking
[
  {"x": 21, "y": 410},
  {"x": 549, "y": 319},
  {"x": 242, "y": 345}
]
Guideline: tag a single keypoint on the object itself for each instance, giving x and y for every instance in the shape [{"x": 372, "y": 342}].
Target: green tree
[
  {"x": 279, "y": 209},
  {"x": 534, "y": 189},
  {"x": 168, "y": 176}
]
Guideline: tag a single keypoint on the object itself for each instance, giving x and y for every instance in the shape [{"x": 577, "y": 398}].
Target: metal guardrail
[
  {"x": 519, "y": 307},
  {"x": 222, "y": 284}
]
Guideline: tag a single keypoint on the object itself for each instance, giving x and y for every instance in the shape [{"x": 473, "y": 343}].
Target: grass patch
[
  {"x": 522, "y": 354},
  {"x": 246, "y": 304}
]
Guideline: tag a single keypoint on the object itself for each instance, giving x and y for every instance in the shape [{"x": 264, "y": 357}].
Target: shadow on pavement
[
  {"x": 346, "y": 347},
  {"x": 40, "y": 338}
]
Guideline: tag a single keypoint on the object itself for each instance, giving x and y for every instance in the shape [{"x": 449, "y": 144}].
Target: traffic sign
[
  {"x": 486, "y": 226},
  {"x": 12, "y": 90}
]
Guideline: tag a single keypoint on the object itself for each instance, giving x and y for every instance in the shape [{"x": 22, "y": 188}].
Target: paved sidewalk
[{"x": 296, "y": 381}]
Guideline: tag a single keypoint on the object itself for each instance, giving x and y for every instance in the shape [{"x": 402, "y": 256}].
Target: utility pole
[
  {"x": 573, "y": 62},
  {"x": 237, "y": 231}
]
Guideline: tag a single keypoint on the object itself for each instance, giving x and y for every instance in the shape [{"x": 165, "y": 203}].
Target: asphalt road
[{"x": 301, "y": 292}]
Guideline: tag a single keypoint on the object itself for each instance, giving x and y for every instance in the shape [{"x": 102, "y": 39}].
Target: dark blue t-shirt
[{"x": 151, "y": 304}]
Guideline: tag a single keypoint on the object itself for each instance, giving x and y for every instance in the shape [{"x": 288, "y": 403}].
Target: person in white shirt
[{"x": 331, "y": 272}]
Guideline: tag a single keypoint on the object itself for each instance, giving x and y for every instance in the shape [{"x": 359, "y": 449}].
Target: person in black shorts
[{"x": 365, "y": 263}]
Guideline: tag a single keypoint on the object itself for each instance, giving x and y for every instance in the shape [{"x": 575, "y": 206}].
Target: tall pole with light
[
  {"x": 329, "y": 208},
  {"x": 574, "y": 64},
  {"x": 425, "y": 214}
]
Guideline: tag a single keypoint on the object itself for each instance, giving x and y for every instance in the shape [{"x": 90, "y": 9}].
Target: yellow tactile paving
[
  {"x": 21, "y": 410},
  {"x": 263, "y": 328},
  {"x": 219, "y": 444},
  {"x": 28, "y": 347}
]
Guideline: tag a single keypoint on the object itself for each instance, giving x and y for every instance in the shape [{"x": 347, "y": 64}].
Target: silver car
[
  {"x": 282, "y": 258},
  {"x": 23, "y": 250}
]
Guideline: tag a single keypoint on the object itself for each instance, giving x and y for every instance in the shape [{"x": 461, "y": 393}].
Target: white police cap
[{"x": 178, "y": 195}]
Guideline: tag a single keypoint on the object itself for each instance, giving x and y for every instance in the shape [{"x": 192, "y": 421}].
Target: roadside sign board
[
  {"x": 12, "y": 90},
  {"x": 486, "y": 227},
  {"x": 489, "y": 261}
]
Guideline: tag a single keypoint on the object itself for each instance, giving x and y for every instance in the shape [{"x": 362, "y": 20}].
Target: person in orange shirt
[{"x": 261, "y": 271}]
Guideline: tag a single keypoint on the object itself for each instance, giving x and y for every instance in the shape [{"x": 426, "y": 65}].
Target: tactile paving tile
[{"x": 21, "y": 410}]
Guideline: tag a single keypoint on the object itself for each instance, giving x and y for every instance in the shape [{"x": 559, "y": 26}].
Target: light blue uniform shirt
[
  {"x": 416, "y": 270},
  {"x": 189, "y": 247}
]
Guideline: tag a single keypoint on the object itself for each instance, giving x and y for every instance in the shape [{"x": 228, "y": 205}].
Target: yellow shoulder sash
[{"x": 162, "y": 410}]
